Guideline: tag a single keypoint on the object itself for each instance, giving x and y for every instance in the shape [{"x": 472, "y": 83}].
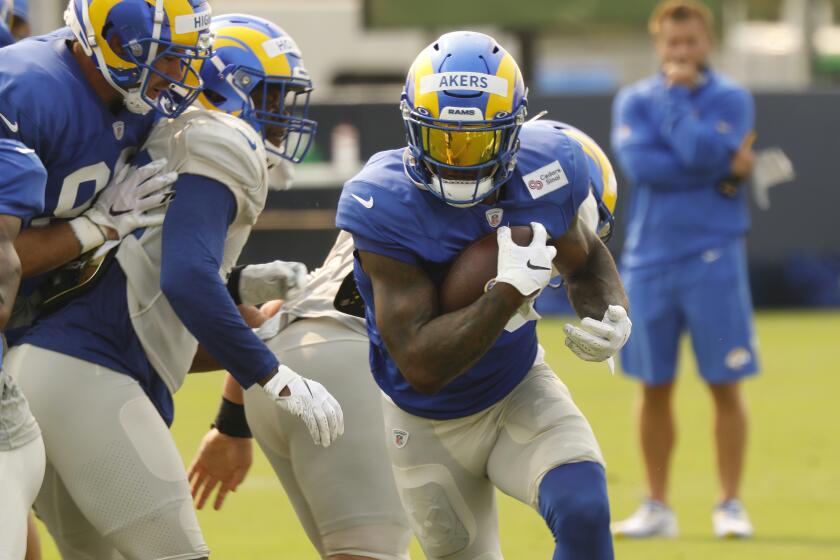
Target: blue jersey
[
  {"x": 22, "y": 179},
  {"x": 6, "y": 37},
  {"x": 390, "y": 215},
  {"x": 676, "y": 145},
  {"x": 46, "y": 103}
]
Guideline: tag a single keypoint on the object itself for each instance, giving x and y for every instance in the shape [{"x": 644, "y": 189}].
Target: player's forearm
[
  {"x": 232, "y": 391},
  {"x": 450, "y": 344},
  {"x": 44, "y": 249},
  {"x": 9, "y": 279},
  {"x": 596, "y": 286}
]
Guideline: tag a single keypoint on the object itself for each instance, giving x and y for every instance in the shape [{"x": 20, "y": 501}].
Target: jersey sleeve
[
  {"x": 193, "y": 245},
  {"x": 22, "y": 181},
  {"x": 378, "y": 220}
]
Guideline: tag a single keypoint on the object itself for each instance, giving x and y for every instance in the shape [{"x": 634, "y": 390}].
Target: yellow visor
[{"x": 461, "y": 147}]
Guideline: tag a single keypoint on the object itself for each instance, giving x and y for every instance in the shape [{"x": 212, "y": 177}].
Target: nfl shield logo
[
  {"x": 400, "y": 438},
  {"x": 494, "y": 216},
  {"x": 119, "y": 130}
]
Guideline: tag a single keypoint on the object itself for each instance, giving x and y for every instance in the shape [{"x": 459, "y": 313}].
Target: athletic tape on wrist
[{"x": 89, "y": 234}]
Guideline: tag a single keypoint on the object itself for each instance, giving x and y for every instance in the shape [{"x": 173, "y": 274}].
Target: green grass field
[{"x": 792, "y": 486}]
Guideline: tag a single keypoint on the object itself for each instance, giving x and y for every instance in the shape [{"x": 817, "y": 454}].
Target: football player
[
  {"x": 99, "y": 372},
  {"x": 469, "y": 402},
  {"x": 22, "y": 180},
  {"x": 84, "y": 98}
]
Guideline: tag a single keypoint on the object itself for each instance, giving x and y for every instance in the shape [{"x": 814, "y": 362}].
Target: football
[{"x": 471, "y": 272}]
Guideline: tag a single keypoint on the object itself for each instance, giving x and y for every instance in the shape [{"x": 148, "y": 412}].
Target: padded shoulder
[
  {"x": 381, "y": 202},
  {"x": 218, "y": 146}
]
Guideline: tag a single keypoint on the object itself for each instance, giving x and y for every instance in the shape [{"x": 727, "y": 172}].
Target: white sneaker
[
  {"x": 730, "y": 521},
  {"x": 652, "y": 519}
]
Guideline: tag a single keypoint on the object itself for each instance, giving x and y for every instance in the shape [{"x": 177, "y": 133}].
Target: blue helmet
[
  {"x": 463, "y": 105},
  {"x": 150, "y": 32},
  {"x": 257, "y": 74}
]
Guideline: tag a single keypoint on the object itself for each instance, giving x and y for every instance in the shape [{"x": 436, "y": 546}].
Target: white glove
[
  {"x": 528, "y": 269},
  {"x": 310, "y": 402},
  {"x": 595, "y": 341},
  {"x": 122, "y": 205},
  {"x": 259, "y": 283}
]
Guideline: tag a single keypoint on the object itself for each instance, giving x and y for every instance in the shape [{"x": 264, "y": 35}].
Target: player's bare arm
[
  {"x": 9, "y": 266},
  {"x": 595, "y": 290},
  {"x": 591, "y": 277},
  {"x": 429, "y": 348},
  {"x": 47, "y": 248}
]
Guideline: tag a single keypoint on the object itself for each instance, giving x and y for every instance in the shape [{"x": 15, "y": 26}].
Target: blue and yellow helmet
[
  {"x": 149, "y": 32},
  {"x": 257, "y": 74},
  {"x": 463, "y": 106}
]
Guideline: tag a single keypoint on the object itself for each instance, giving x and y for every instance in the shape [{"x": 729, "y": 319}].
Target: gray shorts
[
  {"x": 115, "y": 485},
  {"x": 344, "y": 495},
  {"x": 447, "y": 470}
]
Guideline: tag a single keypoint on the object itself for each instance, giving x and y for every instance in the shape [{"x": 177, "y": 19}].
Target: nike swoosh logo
[
  {"x": 535, "y": 267},
  {"x": 250, "y": 143},
  {"x": 366, "y": 203},
  {"x": 118, "y": 212},
  {"x": 12, "y": 126}
]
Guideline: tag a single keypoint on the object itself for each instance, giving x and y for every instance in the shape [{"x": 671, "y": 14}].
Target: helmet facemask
[
  {"x": 280, "y": 109},
  {"x": 462, "y": 162},
  {"x": 182, "y": 91}
]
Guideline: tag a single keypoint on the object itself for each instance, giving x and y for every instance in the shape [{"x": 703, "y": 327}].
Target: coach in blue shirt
[{"x": 683, "y": 138}]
